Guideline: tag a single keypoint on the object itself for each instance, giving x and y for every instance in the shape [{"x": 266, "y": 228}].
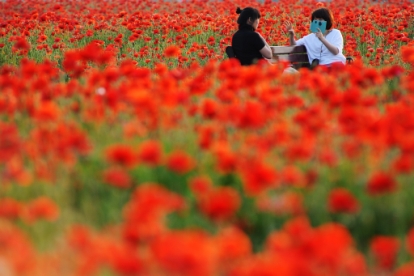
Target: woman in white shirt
[{"x": 323, "y": 48}]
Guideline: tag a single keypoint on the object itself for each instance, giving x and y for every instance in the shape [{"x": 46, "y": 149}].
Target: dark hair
[
  {"x": 326, "y": 15},
  {"x": 247, "y": 13}
]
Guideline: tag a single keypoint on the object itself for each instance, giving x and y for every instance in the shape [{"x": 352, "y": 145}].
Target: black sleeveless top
[{"x": 247, "y": 44}]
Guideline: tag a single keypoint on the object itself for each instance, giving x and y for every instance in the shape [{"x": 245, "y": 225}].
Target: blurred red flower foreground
[{"x": 194, "y": 165}]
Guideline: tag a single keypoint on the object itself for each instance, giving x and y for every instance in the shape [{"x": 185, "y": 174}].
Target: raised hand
[
  {"x": 288, "y": 27},
  {"x": 319, "y": 34}
]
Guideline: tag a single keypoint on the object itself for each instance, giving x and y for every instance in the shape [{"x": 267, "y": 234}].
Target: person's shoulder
[
  {"x": 252, "y": 35},
  {"x": 245, "y": 33},
  {"x": 309, "y": 36},
  {"x": 238, "y": 33},
  {"x": 336, "y": 31},
  {"x": 336, "y": 34}
]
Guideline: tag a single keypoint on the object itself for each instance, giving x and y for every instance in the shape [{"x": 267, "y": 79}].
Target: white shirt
[{"x": 316, "y": 49}]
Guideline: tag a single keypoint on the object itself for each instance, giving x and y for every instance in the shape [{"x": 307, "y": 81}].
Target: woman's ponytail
[{"x": 245, "y": 14}]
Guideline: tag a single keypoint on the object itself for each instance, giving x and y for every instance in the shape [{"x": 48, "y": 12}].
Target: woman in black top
[{"x": 248, "y": 45}]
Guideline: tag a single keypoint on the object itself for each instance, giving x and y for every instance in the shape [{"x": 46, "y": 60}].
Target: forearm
[
  {"x": 333, "y": 49},
  {"x": 266, "y": 51},
  {"x": 292, "y": 38}
]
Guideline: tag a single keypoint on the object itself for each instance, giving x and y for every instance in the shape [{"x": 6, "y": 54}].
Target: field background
[{"x": 130, "y": 144}]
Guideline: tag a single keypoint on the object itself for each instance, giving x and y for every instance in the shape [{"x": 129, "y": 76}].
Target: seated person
[
  {"x": 323, "y": 46},
  {"x": 248, "y": 45}
]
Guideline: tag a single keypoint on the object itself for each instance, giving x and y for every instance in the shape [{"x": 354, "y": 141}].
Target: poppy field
[{"x": 131, "y": 145}]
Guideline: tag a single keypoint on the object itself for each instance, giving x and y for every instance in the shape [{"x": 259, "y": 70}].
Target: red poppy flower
[
  {"x": 220, "y": 203},
  {"x": 125, "y": 260},
  {"x": 9, "y": 142},
  {"x": 404, "y": 164},
  {"x": 407, "y": 54},
  {"x": 145, "y": 213},
  {"x": 405, "y": 270},
  {"x": 200, "y": 185},
  {"x": 47, "y": 111},
  {"x": 117, "y": 177},
  {"x": 380, "y": 183},
  {"x": 292, "y": 176},
  {"x": 209, "y": 108},
  {"x": 41, "y": 208},
  {"x": 233, "y": 244},
  {"x": 385, "y": 250},
  {"x": 10, "y": 208},
  {"x": 172, "y": 51},
  {"x": 341, "y": 200},
  {"x": 226, "y": 159},
  {"x": 410, "y": 241},
  {"x": 180, "y": 162},
  {"x": 328, "y": 238},
  {"x": 259, "y": 177},
  {"x": 185, "y": 253},
  {"x": 206, "y": 136},
  {"x": 121, "y": 154},
  {"x": 252, "y": 115},
  {"x": 79, "y": 237},
  {"x": 22, "y": 44},
  {"x": 16, "y": 250},
  {"x": 150, "y": 152}
]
